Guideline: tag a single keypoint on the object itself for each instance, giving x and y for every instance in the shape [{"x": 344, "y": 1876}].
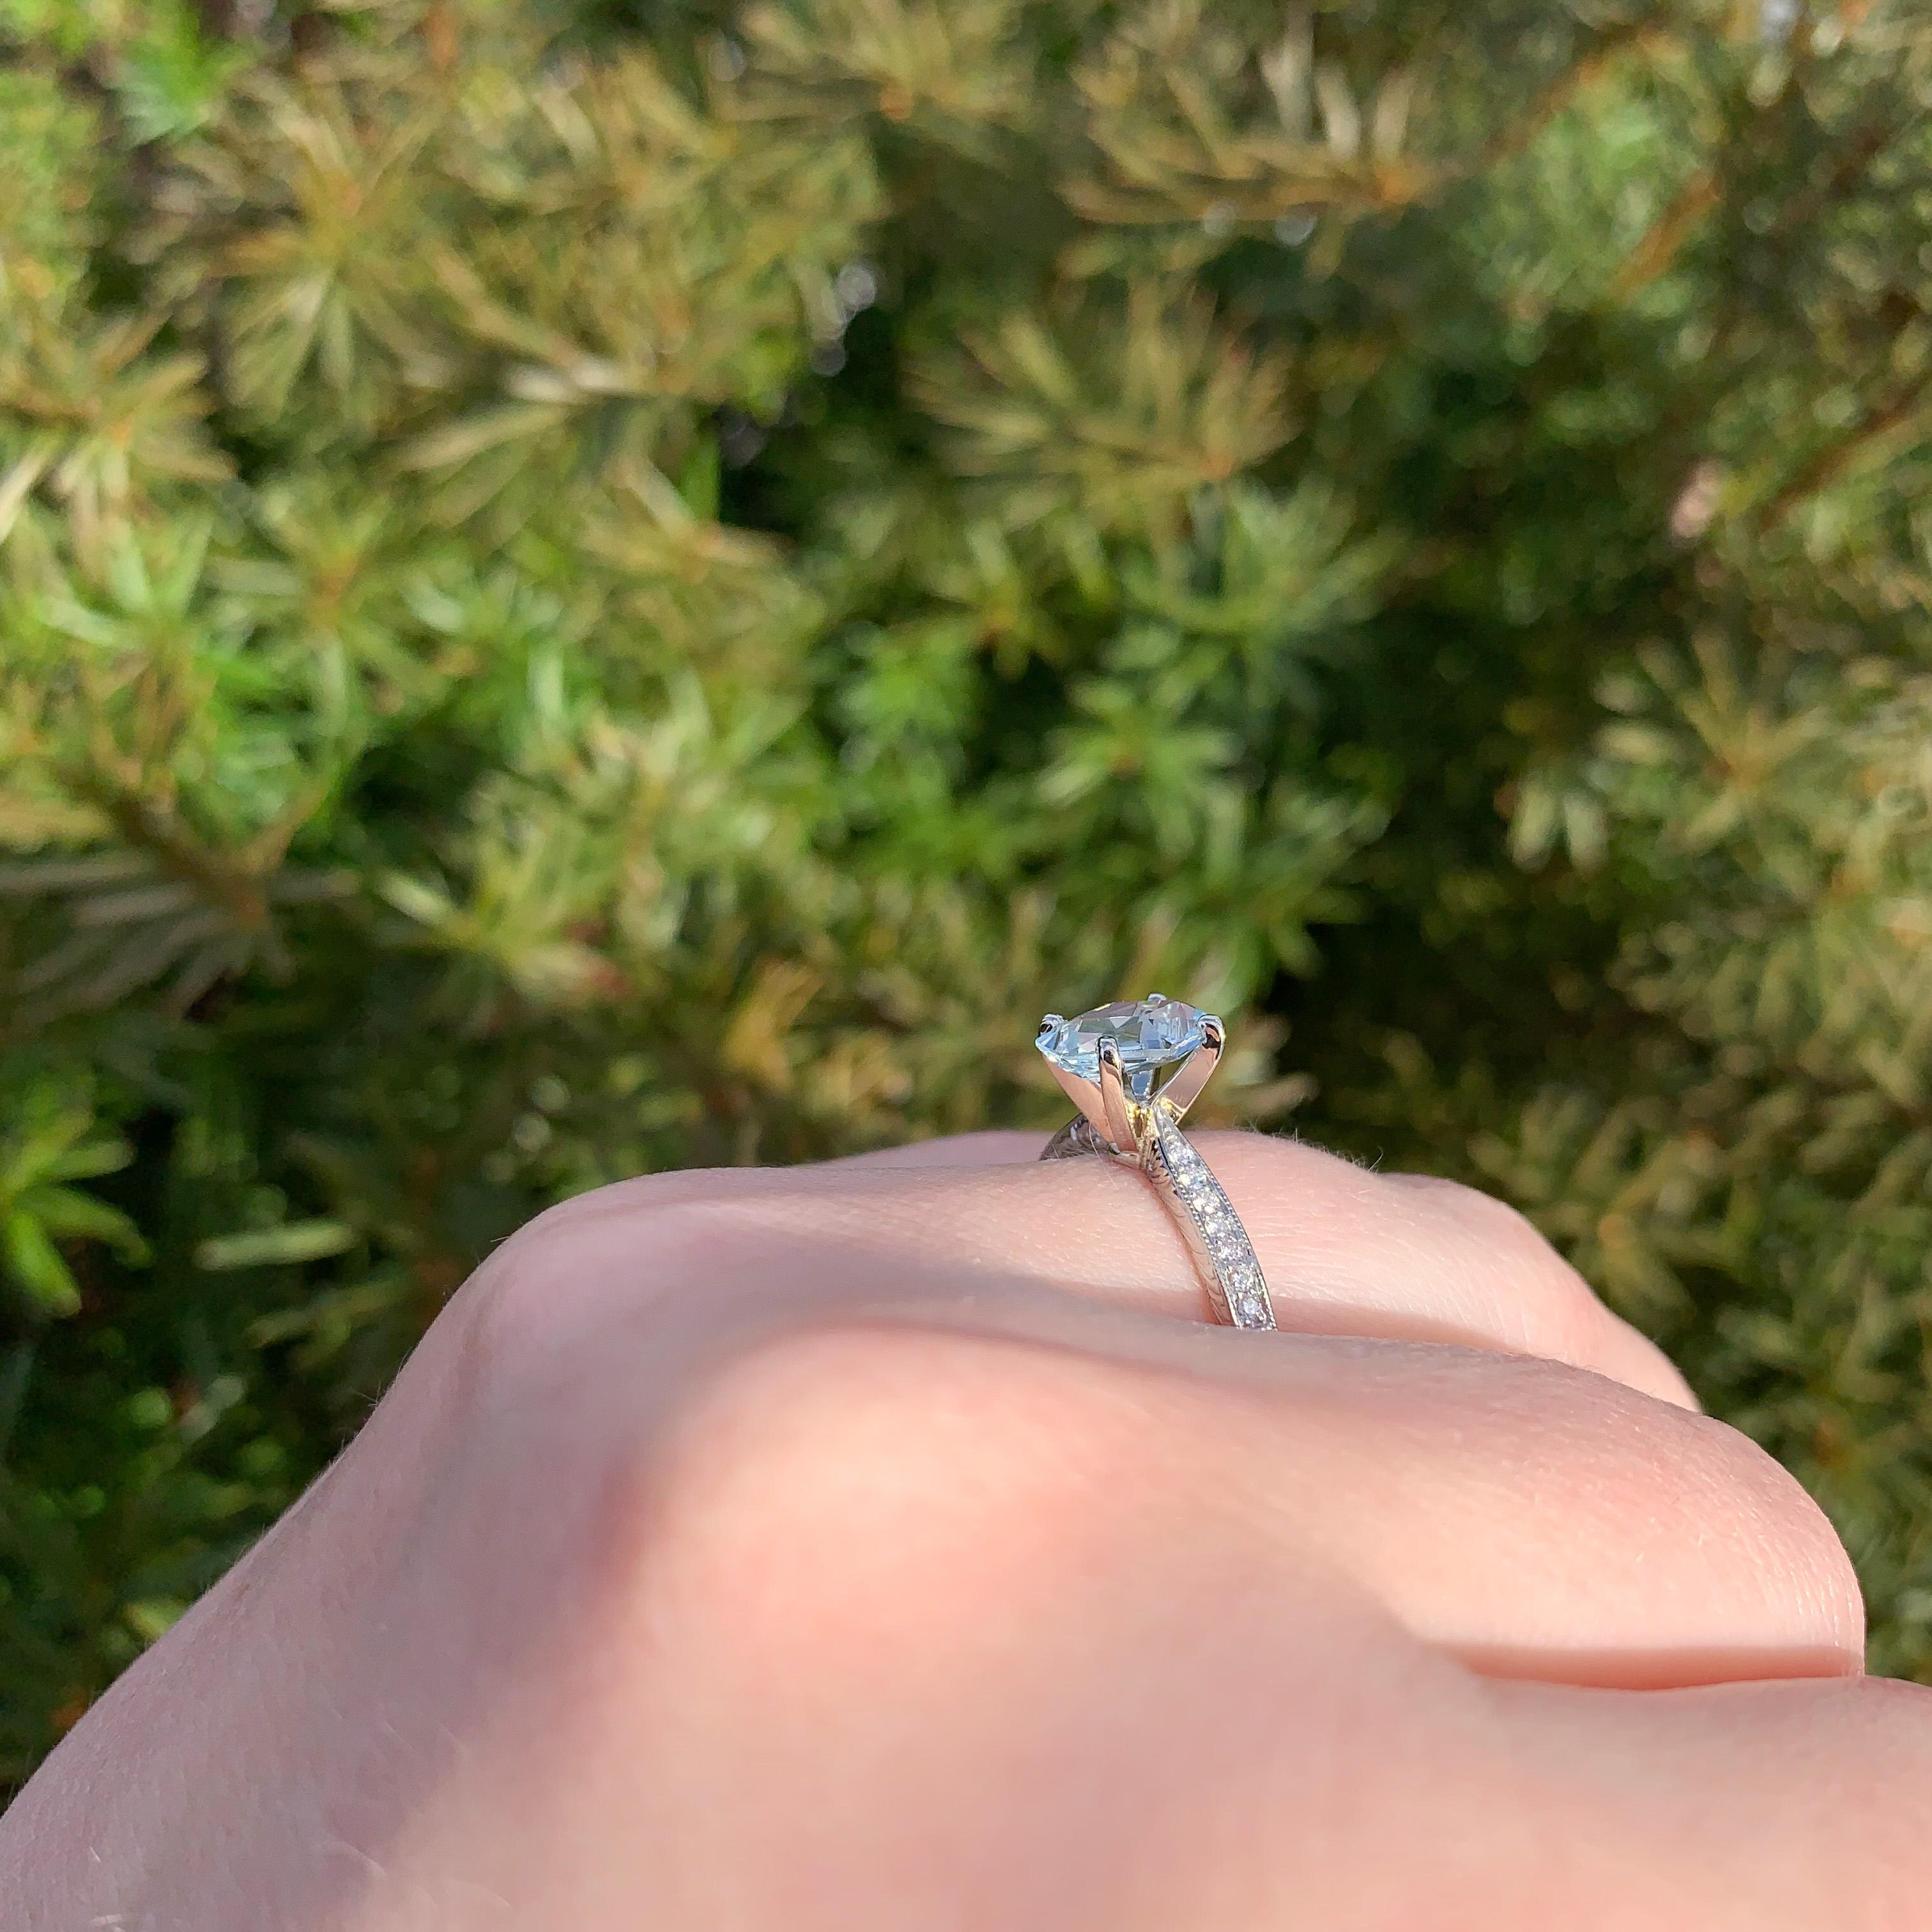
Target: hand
[{"x": 883, "y": 1545}]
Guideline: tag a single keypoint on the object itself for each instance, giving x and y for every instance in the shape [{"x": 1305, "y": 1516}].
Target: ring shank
[{"x": 1222, "y": 1255}]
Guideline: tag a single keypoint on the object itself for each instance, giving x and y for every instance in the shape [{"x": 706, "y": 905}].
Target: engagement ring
[{"x": 1107, "y": 1060}]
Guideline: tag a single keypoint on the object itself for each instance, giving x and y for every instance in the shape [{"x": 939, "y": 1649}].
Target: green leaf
[
  {"x": 67, "y": 1214},
  {"x": 293, "y": 1242},
  {"x": 151, "y": 1617},
  {"x": 698, "y": 482},
  {"x": 35, "y": 1265},
  {"x": 89, "y": 1160}
]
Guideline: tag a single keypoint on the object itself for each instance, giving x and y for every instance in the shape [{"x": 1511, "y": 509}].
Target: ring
[{"x": 1106, "y": 1060}]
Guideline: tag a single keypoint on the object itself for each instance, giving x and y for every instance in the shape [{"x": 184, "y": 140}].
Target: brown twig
[
  {"x": 1667, "y": 234},
  {"x": 1863, "y": 148},
  {"x": 1831, "y": 461},
  {"x": 149, "y": 830},
  {"x": 1587, "y": 68}
]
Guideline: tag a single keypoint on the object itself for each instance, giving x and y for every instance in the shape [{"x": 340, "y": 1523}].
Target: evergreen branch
[
  {"x": 837, "y": 523},
  {"x": 150, "y": 828},
  {"x": 1681, "y": 217},
  {"x": 1854, "y": 162},
  {"x": 1638, "y": 34},
  {"x": 1827, "y": 464}
]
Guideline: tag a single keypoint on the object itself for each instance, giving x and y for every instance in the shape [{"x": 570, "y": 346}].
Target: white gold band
[{"x": 1223, "y": 1254}]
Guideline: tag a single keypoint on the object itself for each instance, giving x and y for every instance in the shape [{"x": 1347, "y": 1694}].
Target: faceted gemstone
[{"x": 1151, "y": 1033}]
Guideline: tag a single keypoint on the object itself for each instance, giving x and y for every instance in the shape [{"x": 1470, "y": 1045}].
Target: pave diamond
[{"x": 1151, "y": 1033}]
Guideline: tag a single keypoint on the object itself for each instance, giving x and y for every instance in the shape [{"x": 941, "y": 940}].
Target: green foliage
[
  {"x": 586, "y": 589},
  {"x": 55, "y": 1142}
]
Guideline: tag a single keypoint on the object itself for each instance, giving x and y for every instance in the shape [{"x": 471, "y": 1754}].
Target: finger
[
  {"x": 1349, "y": 1251},
  {"x": 1368, "y": 1253},
  {"x": 992, "y": 1149},
  {"x": 1536, "y": 1521},
  {"x": 1345, "y": 1251},
  {"x": 1780, "y": 1808},
  {"x": 1530, "y": 1519}
]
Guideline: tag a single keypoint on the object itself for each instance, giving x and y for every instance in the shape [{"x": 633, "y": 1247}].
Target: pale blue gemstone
[{"x": 1151, "y": 1033}]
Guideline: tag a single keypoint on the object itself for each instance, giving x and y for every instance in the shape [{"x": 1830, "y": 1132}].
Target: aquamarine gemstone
[{"x": 1151, "y": 1033}]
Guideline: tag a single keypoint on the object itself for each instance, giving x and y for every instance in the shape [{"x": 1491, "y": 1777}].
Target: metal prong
[
  {"x": 1085, "y": 1094},
  {"x": 1116, "y": 1110},
  {"x": 1184, "y": 1089}
]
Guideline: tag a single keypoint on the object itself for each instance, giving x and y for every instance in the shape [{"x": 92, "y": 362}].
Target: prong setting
[
  {"x": 1131, "y": 1044},
  {"x": 1183, "y": 1089},
  {"x": 1117, "y": 1121},
  {"x": 1085, "y": 1094}
]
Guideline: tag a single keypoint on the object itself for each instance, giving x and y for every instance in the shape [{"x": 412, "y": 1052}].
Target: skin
[{"x": 889, "y": 1544}]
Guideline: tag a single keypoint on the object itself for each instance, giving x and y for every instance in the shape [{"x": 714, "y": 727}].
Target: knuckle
[
  {"x": 846, "y": 1490},
  {"x": 1645, "y": 1464},
  {"x": 556, "y": 1284},
  {"x": 1800, "y": 1552}
]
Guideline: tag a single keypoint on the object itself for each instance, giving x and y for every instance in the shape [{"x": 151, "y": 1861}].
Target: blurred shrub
[{"x": 593, "y": 588}]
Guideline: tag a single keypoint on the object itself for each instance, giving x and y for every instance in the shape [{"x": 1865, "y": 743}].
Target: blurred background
[{"x": 588, "y": 586}]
